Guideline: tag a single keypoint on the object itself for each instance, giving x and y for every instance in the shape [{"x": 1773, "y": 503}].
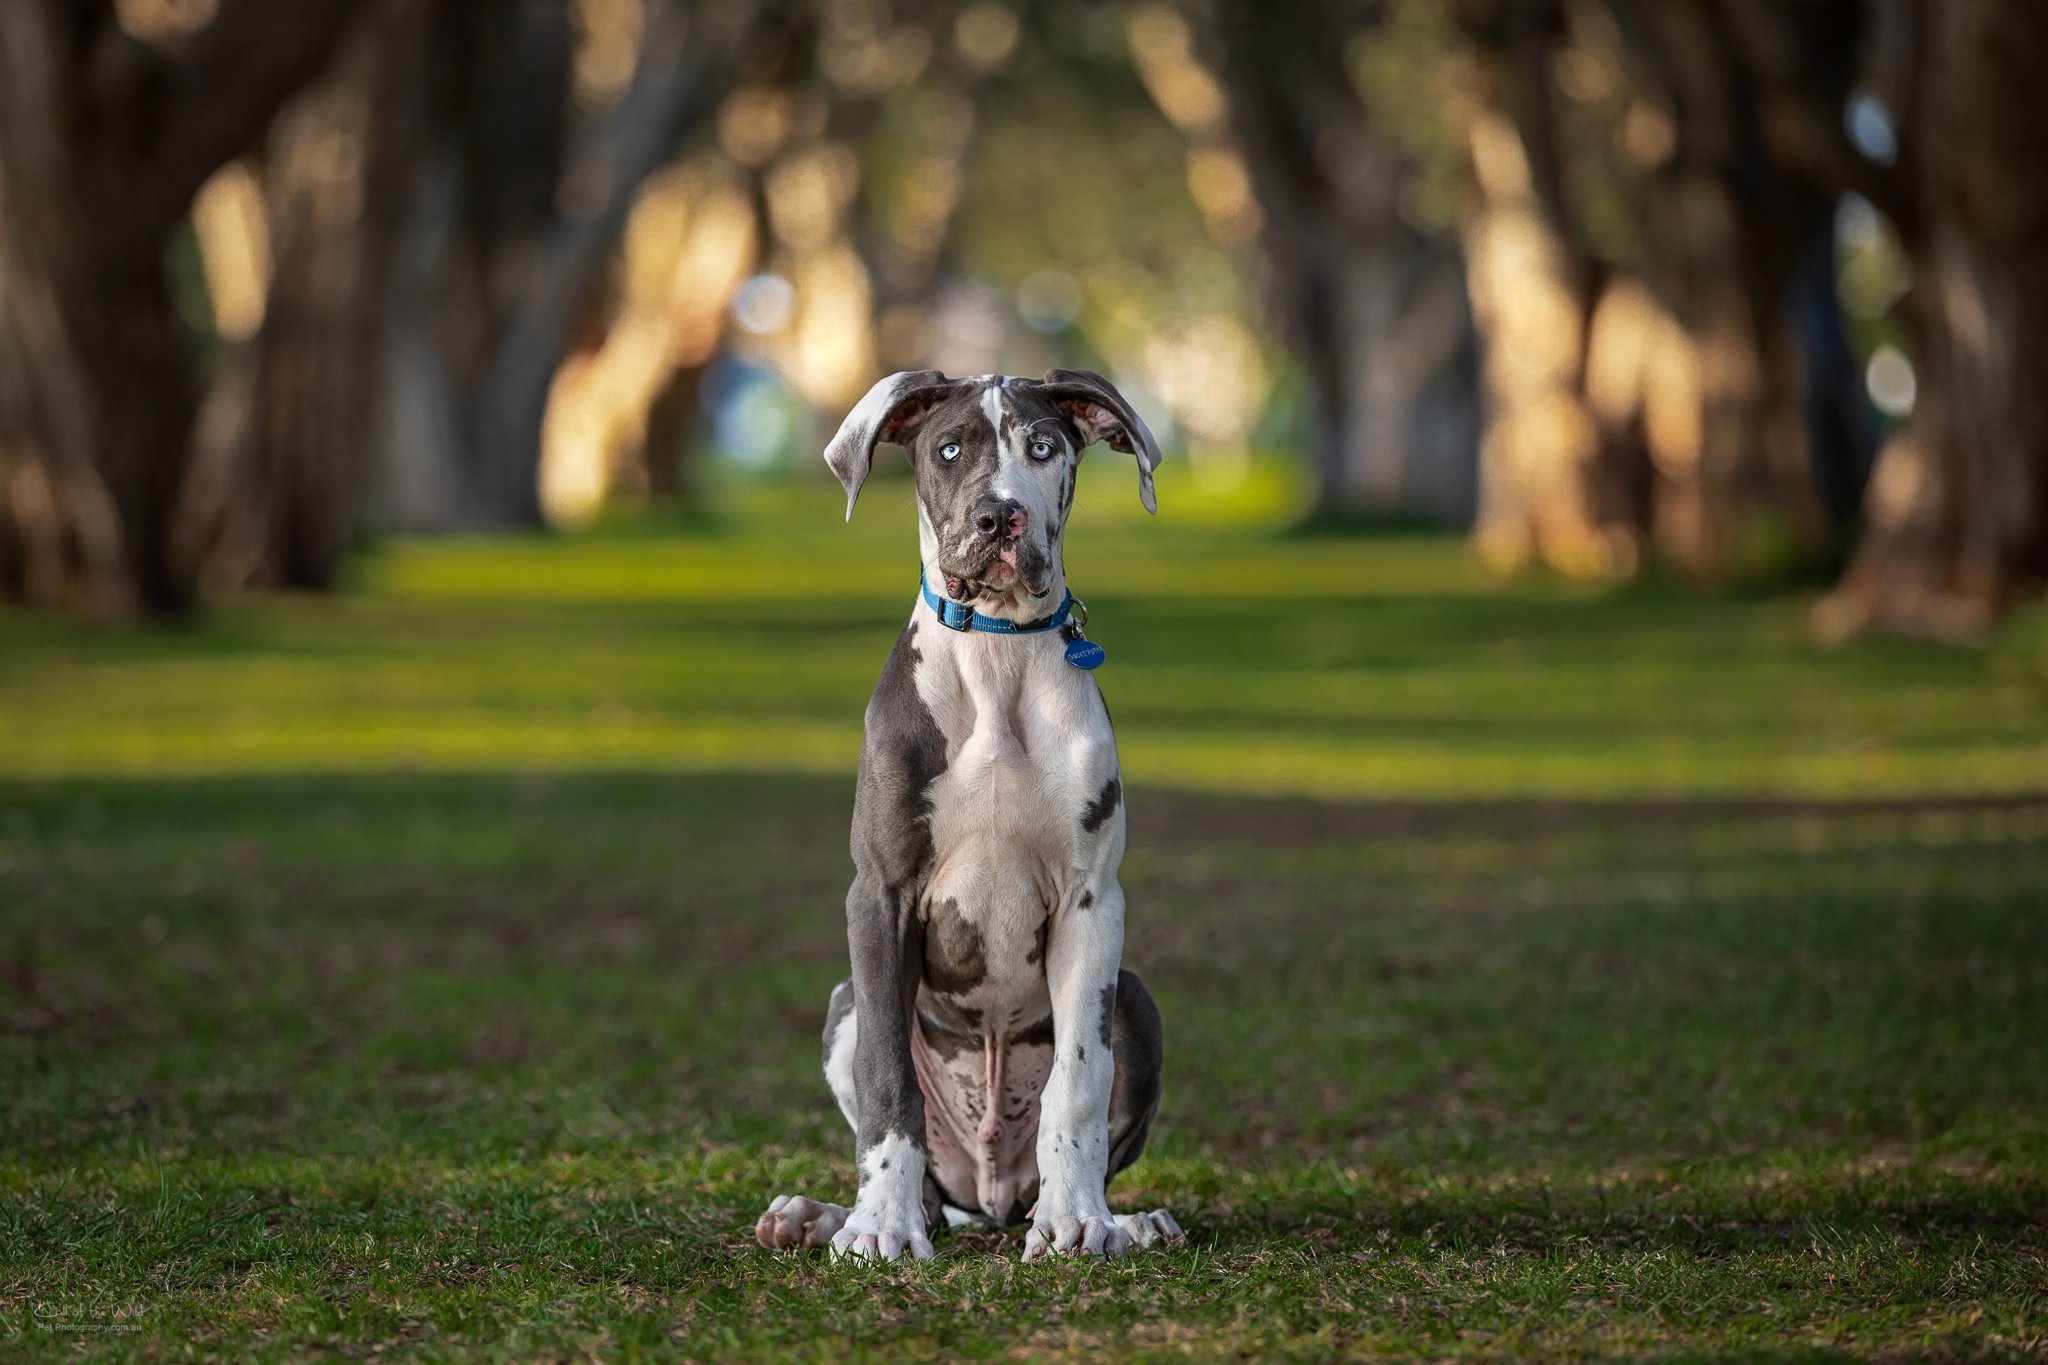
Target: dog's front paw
[
  {"x": 1075, "y": 1235},
  {"x": 882, "y": 1237},
  {"x": 794, "y": 1223}
]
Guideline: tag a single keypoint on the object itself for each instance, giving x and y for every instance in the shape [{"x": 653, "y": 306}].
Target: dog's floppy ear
[
  {"x": 891, "y": 412},
  {"x": 1101, "y": 413}
]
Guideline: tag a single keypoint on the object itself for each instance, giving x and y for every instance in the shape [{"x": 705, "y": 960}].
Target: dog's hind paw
[
  {"x": 1156, "y": 1228},
  {"x": 794, "y": 1223}
]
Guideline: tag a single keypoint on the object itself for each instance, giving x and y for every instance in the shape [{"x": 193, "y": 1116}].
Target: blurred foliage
[
  {"x": 1402, "y": 69},
  {"x": 1049, "y": 191}
]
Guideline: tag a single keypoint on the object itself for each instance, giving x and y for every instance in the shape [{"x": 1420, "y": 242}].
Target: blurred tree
[
  {"x": 280, "y": 476},
  {"x": 623, "y": 416},
  {"x": 1958, "y": 504},
  {"x": 513, "y": 214},
  {"x": 1733, "y": 216},
  {"x": 1373, "y": 306},
  {"x": 1557, "y": 486},
  {"x": 1114, "y": 232},
  {"x": 104, "y": 139},
  {"x": 917, "y": 140},
  {"x": 832, "y": 184},
  {"x": 479, "y": 200},
  {"x": 1653, "y": 261}
]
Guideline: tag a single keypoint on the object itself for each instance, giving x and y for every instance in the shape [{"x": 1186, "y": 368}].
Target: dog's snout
[{"x": 995, "y": 517}]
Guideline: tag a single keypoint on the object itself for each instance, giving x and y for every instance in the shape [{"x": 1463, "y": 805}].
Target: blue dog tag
[{"x": 1085, "y": 654}]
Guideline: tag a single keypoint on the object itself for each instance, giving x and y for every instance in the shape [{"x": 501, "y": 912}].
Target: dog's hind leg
[
  {"x": 841, "y": 1030},
  {"x": 793, "y": 1222},
  {"x": 1134, "y": 1098}
]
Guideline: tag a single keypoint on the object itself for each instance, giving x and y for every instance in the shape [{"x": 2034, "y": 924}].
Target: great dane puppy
[{"x": 995, "y": 1061}]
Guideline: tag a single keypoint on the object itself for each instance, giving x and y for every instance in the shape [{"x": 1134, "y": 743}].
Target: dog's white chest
[{"x": 1028, "y": 745}]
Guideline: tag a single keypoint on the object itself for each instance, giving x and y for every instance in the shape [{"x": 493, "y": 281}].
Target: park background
[{"x": 1582, "y": 699}]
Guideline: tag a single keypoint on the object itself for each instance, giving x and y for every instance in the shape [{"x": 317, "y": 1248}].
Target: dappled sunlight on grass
[{"x": 1240, "y": 659}]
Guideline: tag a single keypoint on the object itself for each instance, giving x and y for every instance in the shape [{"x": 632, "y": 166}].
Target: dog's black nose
[{"x": 995, "y": 517}]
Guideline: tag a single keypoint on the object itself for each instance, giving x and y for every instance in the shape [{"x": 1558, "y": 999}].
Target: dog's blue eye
[
  {"x": 950, "y": 451},
  {"x": 1041, "y": 450}
]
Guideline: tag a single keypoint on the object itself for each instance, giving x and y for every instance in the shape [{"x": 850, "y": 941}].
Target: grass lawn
[{"x": 437, "y": 970}]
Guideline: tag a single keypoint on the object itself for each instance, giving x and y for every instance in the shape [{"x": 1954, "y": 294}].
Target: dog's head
[{"x": 995, "y": 459}]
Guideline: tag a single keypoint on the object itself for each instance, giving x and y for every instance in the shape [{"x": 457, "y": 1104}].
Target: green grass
[{"x": 437, "y": 970}]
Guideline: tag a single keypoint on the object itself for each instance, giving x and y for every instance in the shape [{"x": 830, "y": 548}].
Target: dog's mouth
[{"x": 1007, "y": 567}]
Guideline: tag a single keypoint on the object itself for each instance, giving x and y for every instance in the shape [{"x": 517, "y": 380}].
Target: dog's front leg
[
  {"x": 889, "y": 1147},
  {"x": 1084, "y": 950}
]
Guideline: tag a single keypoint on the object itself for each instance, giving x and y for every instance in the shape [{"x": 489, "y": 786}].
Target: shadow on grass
[
  {"x": 391, "y": 1060},
  {"x": 1492, "y": 983}
]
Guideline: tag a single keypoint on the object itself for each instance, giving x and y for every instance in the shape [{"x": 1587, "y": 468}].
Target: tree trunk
[
  {"x": 92, "y": 377},
  {"x": 1727, "y": 210},
  {"x": 297, "y": 417},
  {"x": 1676, "y": 386},
  {"x": 97, "y": 398},
  {"x": 1568, "y": 345},
  {"x": 509, "y": 257},
  {"x": 478, "y": 206},
  {"x": 102, "y": 144},
  {"x": 674, "y": 431},
  {"x": 1375, "y": 310},
  {"x": 1958, "y": 504},
  {"x": 1562, "y": 482}
]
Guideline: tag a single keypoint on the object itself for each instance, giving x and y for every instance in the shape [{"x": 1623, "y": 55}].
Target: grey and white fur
[{"x": 996, "y": 1062}]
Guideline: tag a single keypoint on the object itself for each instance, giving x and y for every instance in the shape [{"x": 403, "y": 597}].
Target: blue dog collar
[{"x": 959, "y": 616}]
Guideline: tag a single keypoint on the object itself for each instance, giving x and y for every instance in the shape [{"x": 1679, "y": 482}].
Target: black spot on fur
[
  {"x": 1087, "y": 899},
  {"x": 1036, "y": 1035},
  {"x": 1108, "y": 1012},
  {"x": 1103, "y": 806},
  {"x": 954, "y": 959},
  {"x": 943, "y": 1012},
  {"x": 948, "y": 1027},
  {"x": 1037, "y": 953}
]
